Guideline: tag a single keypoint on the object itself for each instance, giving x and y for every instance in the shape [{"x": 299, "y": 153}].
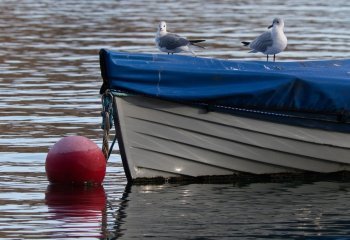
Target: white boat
[{"x": 163, "y": 137}]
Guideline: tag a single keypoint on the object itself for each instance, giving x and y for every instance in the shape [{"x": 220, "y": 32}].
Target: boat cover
[{"x": 303, "y": 86}]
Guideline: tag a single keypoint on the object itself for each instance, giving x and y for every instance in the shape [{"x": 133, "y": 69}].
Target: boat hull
[{"x": 165, "y": 139}]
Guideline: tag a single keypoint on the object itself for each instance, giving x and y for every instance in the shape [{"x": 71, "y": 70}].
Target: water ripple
[{"x": 49, "y": 84}]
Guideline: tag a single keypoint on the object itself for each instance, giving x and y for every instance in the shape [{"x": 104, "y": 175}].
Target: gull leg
[
  {"x": 267, "y": 57},
  {"x": 274, "y": 57},
  {"x": 194, "y": 54}
]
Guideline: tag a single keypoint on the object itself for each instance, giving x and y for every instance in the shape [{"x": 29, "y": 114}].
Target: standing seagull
[
  {"x": 173, "y": 43},
  {"x": 270, "y": 42}
]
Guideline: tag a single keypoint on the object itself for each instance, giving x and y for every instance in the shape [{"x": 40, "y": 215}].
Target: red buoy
[{"x": 75, "y": 160}]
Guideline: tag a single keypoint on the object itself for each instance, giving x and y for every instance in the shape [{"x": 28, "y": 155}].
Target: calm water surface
[{"x": 49, "y": 83}]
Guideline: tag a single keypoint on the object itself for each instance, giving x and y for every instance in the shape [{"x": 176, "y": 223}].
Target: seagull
[
  {"x": 173, "y": 43},
  {"x": 270, "y": 42}
]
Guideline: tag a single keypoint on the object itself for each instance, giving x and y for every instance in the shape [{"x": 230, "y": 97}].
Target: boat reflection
[
  {"x": 294, "y": 210},
  {"x": 78, "y": 211}
]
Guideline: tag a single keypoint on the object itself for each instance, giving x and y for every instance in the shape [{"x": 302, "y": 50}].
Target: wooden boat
[{"x": 190, "y": 117}]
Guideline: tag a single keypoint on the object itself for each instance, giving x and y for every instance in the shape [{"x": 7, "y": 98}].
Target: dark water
[
  {"x": 254, "y": 211},
  {"x": 49, "y": 83}
]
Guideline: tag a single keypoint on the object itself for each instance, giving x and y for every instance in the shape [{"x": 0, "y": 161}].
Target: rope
[
  {"x": 105, "y": 146},
  {"x": 107, "y": 120},
  {"x": 112, "y": 145}
]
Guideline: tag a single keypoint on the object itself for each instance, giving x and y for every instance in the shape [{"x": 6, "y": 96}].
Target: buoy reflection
[{"x": 79, "y": 210}]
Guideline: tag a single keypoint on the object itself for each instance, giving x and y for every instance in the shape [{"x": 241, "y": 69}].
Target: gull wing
[
  {"x": 172, "y": 41},
  {"x": 261, "y": 43}
]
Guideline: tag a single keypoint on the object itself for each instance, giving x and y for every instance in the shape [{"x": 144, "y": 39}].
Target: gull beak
[{"x": 270, "y": 26}]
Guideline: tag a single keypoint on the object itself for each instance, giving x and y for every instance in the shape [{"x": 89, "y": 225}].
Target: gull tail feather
[
  {"x": 193, "y": 42},
  {"x": 245, "y": 43},
  {"x": 196, "y": 41}
]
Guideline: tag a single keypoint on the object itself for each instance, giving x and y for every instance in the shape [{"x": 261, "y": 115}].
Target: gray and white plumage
[
  {"x": 270, "y": 42},
  {"x": 173, "y": 43}
]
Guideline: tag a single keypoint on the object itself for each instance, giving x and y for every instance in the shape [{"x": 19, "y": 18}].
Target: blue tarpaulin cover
[{"x": 304, "y": 86}]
